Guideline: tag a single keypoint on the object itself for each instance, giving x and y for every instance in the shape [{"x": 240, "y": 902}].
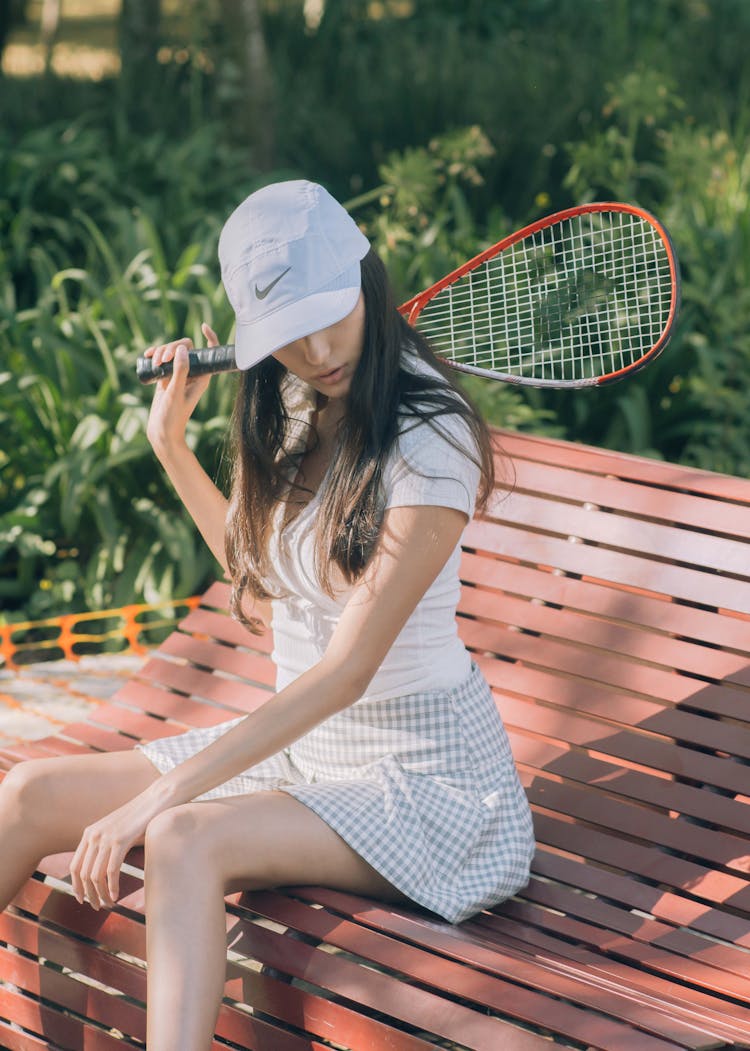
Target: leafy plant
[
  {"x": 690, "y": 405},
  {"x": 86, "y": 517}
]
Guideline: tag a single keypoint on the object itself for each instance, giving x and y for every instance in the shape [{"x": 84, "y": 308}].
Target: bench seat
[{"x": 607, "y": 600}]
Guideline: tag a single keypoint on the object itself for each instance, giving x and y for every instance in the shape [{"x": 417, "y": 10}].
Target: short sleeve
[{"x": 433, "y": 463}]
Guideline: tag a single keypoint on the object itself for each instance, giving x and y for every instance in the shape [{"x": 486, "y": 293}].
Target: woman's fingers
[
  {"x": 166, "y": 351},
  {"x": 181, "y": 363},
  {"x": 211, "y": 338},
  {"x": 80, "y": 871},
  {"x": 95, "y": 878},
  {"x": 113, "y": 879}
]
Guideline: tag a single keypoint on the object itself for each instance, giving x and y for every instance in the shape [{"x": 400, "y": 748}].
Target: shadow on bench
[{"x": 607, "y": 599}]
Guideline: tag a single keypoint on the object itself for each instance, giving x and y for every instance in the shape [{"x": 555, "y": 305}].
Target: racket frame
[{"x": 413, "y": 307}]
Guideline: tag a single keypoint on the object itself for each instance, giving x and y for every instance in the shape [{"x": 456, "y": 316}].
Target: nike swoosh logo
[{"x": 261, "y": 293}]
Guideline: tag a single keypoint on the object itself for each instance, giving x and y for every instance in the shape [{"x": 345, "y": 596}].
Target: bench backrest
[{"x": 607, "y": 599}]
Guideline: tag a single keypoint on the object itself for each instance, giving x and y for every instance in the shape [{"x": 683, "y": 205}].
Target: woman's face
[{"x": 327, "y": 358}]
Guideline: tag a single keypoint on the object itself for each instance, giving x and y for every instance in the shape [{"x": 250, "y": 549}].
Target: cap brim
[{"x": 257, "y": 340}]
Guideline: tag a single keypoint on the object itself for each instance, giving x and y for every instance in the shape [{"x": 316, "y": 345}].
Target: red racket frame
[{"x": 412, "y": 308}]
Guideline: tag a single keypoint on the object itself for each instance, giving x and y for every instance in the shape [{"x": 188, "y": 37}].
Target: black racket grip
[{"x": 210, "y": 359}]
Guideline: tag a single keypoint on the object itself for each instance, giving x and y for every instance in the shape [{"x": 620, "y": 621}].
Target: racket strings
[{"x": 581, "y": 298}]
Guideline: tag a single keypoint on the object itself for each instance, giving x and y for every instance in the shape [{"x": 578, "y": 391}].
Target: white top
[{"x": 424, "y": 468}]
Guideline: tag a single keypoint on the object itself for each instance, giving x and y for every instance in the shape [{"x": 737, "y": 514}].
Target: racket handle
[{"x": 200, "y": 362}]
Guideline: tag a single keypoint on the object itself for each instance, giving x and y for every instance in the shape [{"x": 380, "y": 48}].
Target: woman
[{"x": 380, "y": 766}]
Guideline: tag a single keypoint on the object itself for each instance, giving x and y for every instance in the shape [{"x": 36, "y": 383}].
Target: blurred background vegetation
[{"x": 129, "y": 129}]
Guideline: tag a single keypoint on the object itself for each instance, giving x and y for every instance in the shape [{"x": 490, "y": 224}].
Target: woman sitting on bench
[{"x": 381, "y": 765}]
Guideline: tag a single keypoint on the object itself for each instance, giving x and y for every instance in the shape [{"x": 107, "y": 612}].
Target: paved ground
[{"x": 41, "y": 698}]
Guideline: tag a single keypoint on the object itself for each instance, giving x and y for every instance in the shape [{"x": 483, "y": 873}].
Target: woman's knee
[
  {"x": 26, "y": 792},
  {"x": 189, "y": 841},
  {"x": 175, "y": 838}
]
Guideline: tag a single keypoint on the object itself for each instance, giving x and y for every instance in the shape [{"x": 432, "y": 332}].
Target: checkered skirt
[{"x": 423, "y": 787}]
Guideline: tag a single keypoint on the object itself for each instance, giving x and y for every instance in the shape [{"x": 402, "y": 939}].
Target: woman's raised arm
[{"x": 174, "y": 400}]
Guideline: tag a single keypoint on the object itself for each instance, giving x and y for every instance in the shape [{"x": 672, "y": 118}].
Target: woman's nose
[{"x": 316, "y": 349}]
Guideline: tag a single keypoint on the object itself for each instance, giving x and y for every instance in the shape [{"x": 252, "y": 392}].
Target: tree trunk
[
  {"x": 253, "y": 117},
  {"x": 139, "y": 42},
  {"x": 50, "y": 24},
  {"x": 12, "y": 14}
]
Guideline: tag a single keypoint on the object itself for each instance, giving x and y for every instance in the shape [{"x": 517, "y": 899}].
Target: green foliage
[
  {"x": 448, "y": 123},
  {"x": 530, "y": 73},
  {"x": 87, "y": 519},
  {"x": 691, "y": 405},
  {"x": 424, "y": 227}
]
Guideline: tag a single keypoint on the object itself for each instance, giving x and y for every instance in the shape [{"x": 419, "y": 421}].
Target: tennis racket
[{"x": 581, "y": 298}]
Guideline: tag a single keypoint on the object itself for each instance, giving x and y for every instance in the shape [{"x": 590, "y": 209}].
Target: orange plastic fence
[{"x": 132, "y": 628}]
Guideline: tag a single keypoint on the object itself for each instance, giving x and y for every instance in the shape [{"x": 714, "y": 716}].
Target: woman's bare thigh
[
  {"x": 270, "y": 839},
  {"x": 59, "y": 796}
]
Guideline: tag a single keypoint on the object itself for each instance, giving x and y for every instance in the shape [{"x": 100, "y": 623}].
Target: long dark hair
[{"x": 385, "y": 398}]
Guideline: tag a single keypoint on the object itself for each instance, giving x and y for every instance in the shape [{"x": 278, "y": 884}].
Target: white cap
[{"x": 289, "y": 258}]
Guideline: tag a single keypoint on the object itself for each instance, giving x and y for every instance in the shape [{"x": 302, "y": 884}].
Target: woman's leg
[
  {"x": 45, "y": 804},
  {"x": 200, "y": 851}
]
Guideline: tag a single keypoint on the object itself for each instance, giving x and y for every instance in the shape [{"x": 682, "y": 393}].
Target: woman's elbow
[{"x": 350, "y": 675}]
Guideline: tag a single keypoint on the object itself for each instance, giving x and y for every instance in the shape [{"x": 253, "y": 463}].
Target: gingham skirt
[{"x": 423, "y": 787}]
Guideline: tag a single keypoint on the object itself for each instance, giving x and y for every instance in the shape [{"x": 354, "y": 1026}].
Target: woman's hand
[
  {"x": 176, "y": 396},
  {"x": 95, "y": 868}
]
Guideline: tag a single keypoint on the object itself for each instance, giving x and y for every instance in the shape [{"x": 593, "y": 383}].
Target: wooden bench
[{"x": 607, "y": 599}]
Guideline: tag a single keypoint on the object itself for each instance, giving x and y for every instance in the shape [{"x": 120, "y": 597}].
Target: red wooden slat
[
  {"x": 590, "y": 633},
  {"x": 600, "y": 600},
  {"x": 719, "y": 849},
  {"x": 612, "y": 962},
  {"x": 595, "y": 563},
  {"x": 721, "y": 968},
  {"x": 615, "y": 705},
  {"x": 316, "y": 1014},
  {"x": 41, "y": 747},
  {"x": 137, "y": 725},
  {"x": 469, "y": 944},
  {"x": 26, "y": 934},
  {"x": 67, "y": 993},
  {"x": 250, "y": 666},
  {"x": 255, "y": 1033},
  {"x": 222, "y": 626},
  {"x": 631, "y": 498},
  {"x": 96, "y": 737},
  {"x": 69, "y": 1032},
  {"x": 617, "y": 1002},
  {"x": 231, "y": 694},
  {"x": 474, "y": 1030},
  {"x": 659, "y": 901},
  {"x": 568, "y": 726},
  {"x": 12, "y": 1040},
  {"x": 703, "y": 883},
  {"x": 608, "y": 701},
  {"x": 619, "y": 531},
  {"x": 323, "y": 1018},
  {"x": 179, "y": 709},
  {"x": 624, "y": 465},
  {"x": 14, "y": 753},
  {"x": 667, "y": 795}
]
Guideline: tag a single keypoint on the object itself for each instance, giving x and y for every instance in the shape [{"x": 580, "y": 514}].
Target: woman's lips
[{"x": 331, "y": 377}]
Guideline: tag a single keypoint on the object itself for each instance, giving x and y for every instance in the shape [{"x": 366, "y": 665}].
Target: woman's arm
[
  {"x": 174, "y": 400},
  {"x": 415, "y": 544},
  {"x": 206, "y": 504}
]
